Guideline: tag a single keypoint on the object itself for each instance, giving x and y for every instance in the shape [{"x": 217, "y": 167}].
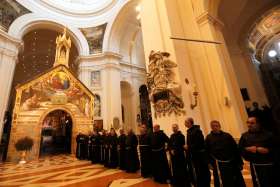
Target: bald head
[
  {"x": 189, "y": 122},
  {"x": 252, "y": 123},
  {"x": 121, "y": 131},
  {"x": 215, "y": 126},
  {"x": 175, "y": 128},
  {"x": 156, "y": 128}
]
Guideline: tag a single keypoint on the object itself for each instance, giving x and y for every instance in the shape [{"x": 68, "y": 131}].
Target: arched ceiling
[
  {"x": 82, "y": 7},
  {"x": 239, "y": 16},
  {"x": 125, "y": 37}
]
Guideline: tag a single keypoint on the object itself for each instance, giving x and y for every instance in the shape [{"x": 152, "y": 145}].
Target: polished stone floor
[{"x": 63, "y": 170}]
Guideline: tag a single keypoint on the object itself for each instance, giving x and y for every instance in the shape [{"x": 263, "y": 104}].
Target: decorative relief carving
[{"x": 163, "y": 90}]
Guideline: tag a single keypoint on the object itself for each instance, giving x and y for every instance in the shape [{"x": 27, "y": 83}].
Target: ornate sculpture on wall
[{"x": 163, "y": 90}]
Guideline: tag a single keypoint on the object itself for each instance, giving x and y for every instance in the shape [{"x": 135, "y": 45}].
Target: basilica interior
[{"x": 71, "y": 66}]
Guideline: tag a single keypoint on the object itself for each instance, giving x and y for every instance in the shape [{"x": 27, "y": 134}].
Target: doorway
[
  {"x": 56, "y": 133},
  {"x": 145, "y": 107}
]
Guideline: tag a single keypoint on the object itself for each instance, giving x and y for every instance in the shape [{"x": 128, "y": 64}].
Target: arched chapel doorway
[
  {"x": 56, "y": 134},
  {"x": 145, "y": 107}
]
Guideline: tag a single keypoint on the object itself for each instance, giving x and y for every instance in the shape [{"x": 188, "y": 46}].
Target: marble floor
[{"x": 64, "y": 170}]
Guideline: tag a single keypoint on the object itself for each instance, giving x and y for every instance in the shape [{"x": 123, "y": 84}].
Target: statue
[
  {"x": 63, "y": 45},
  {"x": 162, "y": 88}
]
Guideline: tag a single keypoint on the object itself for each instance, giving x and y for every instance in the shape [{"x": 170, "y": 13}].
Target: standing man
[
  {"x": 121, "y": 146},
  {"x": 178, "y": 159},
  {"x": 132, "y": 159},
  {"x": 161, "y": 172},
  {"x": 102, "y": 146},
  {"x": 95, "y": 147},
  {"x": 113, "y": 149},
  {"x": 224, "y": 157},
  {"x": 106, "y": 144},
  {"x": 82, "y": 146},
  {"x": 197, "y": 155},
  {"x": 145, "y": 152},
  {"x": 257, "y": 146},
  {"x": 89, "y": 152}
]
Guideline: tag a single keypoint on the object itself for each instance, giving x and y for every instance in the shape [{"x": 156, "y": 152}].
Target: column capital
[
  {"x": 206, "y": 17},
  {"x": 11, "y": 46}
]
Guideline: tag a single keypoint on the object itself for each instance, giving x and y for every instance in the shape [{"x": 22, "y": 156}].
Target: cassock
[
  {"x": 95, "y": 149},
  {"x": 89, "y": 153},
  {"x": 113, "y": 151},
  {"x": 122, "y": 154},
  {"x": 225, "y": 159},
  {"x": 132, "y": 159},
  {"x": 197, "y": 157},
  {"x": 145, "y": 155},
  {"x": 102, "y": 148},
  {"x": 179, "y": 164},
  {"x": 161, "y": 172},
  {"x": 106, "y": 157},
  {"x": 261, "y": 165},
  {"x": 82, "y": 146}
]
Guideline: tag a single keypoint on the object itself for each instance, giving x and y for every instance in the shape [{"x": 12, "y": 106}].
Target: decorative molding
[
  {"x": 206, "y": 17},
  {"x": 18, "y": 43},
  {"x": 133, "y": 66},
  {"x": 163, "y": 90},
  {"x": 99, "y": 56}
]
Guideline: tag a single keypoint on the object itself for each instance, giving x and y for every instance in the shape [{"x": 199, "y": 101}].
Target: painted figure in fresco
[
  {"x": 87, "y": 109},
  {"x": 97, "y": 106},
  {"x": 60, "y": 81},
  {"x": 31, "y": 103}
]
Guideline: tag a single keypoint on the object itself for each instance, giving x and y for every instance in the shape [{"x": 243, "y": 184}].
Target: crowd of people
[{"x": 186, "y": 161}]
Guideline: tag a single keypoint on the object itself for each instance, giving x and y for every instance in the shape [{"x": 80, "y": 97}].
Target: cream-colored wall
[
  {"x": 206, "y": 65},
  {"x": 248, "y": 76},
  {"x": 113, "y": 71}
]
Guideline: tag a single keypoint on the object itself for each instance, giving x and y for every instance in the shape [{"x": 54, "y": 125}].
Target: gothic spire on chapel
[{"x": 63, "y": 45}]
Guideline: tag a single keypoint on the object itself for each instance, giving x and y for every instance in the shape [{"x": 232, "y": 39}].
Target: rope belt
[
  {"x": 221, "y": 161},
  {"x": 157, "y": 150},
  {"x": 267, "y": 164}
]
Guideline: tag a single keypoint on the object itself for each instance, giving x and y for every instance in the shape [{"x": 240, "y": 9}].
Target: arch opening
[
  {"x": 250, "y": 32},
  {"x": 145, "y": 107},
  {"x": 56, "y": 133}
]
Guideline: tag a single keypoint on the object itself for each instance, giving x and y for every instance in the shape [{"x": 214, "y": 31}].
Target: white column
[
  {"x": 9, "y": 48},
  {"x": 110, "y": 91},
  {"x": 113, "y": 94}
]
